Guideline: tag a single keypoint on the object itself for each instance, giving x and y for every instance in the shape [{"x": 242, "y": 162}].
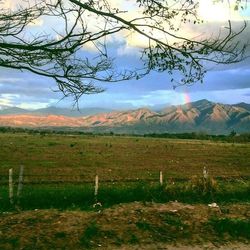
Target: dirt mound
[{"x": 128, "y": 226}]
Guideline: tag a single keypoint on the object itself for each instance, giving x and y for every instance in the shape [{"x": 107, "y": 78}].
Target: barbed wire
[{"x": 76, "y": 179}]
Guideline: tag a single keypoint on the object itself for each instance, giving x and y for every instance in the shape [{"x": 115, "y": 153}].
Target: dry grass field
[
  {"x": 132, "y": 210},
  {"x": 80, "y": 158}
]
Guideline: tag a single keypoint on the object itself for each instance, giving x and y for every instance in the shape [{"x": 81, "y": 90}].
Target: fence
[
  {"x": 26, "y": 179},
  {"x": 38, "y": 179}
]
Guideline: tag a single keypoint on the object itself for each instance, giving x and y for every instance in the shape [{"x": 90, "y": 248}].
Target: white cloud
[
  {"x": 161, "y": 97},
  {"x": 6, "y": 3},
  {"x": 238, "y": 71},
  {"x": 227, "y": 96},
  {"x": 214, "y": 15},
  {"x": 126, "y": 50},
  {"x": 16, "y": 100},
  {"x": 10, "y": 80},
  {"x": 8, "y": 99},
  {"x": 37, "y": 22},
  {"x": 5, "y": 102},
  {"x": 154, "y": 98},
  {"x": 211, "y": 11},
  {"x": 208, "y": 10},
  {"x": 34, "y": 105}
]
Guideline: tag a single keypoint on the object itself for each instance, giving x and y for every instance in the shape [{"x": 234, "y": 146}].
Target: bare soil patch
[{"x": 135, "y": 225}]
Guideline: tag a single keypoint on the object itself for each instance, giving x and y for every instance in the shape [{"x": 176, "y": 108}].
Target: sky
[{"x": 225, "y": 84}]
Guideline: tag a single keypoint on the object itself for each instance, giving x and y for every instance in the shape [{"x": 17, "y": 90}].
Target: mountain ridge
[
  {"x": 52, "y": 110},
  {"x": 201, "y": 115}
]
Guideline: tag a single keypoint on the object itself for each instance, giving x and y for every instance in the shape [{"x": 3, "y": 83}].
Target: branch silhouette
[{"x": 62, "y": 56}]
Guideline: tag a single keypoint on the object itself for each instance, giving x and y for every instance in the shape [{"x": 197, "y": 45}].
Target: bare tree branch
[{"x": 60, "y": 55}]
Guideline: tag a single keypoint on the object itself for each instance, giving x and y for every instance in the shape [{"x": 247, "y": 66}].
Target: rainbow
[{"x": 186, "y": 98}]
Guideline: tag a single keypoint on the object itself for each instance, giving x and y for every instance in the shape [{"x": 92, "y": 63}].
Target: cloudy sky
[{"x": 226, "y": 84}]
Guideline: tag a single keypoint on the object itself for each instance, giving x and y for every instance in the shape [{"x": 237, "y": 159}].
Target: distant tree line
[
  {"x": 47, "y": 131},
  {"x": 231, "y": 137}
]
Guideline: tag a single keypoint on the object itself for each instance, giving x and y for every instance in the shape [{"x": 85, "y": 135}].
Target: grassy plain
[
  {"x": 63, "y": 167},
  {"x": 80, "y": 158},
  {"x": 131, "y": 211}
]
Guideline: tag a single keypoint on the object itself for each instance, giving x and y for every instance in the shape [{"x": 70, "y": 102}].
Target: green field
[
  {"x": 59, "y": 170},
  {"x": 79, "y": 158},
  {"x": 57, "y": 208}
]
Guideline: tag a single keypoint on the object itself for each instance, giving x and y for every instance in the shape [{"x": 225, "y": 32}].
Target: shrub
[
  {"x": 202, "y": 186},
  {"x": 232, "y": 226}
]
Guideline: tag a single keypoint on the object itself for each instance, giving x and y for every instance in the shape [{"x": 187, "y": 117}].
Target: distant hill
[
  {"x": 69, "y": 112},
  {"x": 243, "y": 105},
  {"x": 6, "y": 110},
  {"x": 200, "y": 116}
]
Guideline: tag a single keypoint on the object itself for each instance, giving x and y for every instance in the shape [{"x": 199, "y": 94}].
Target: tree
[
  {"x": 232, "y": 133},
  {"x": 59, "y": 55}
]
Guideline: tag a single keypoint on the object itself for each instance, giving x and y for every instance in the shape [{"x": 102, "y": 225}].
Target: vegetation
[
  {"x": 233, "y": 226},
  {"x": 58, "y": 209},
  {"x": 75, "y": 197},
  {"x": 92, "y": 231},
  {"x": 232, "y": 137},
  {"x": 129, "y": 226},
  {"x": 77, "y": 159},
  {"x": 53, "y": 179}
]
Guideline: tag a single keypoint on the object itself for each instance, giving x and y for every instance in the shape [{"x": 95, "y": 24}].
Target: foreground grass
[
  {"x": 139, "y": 224},
  {"x": 70, "y": 196},
  {"x": 235, "y": 227},
  {"x": 69, "y": 216}
]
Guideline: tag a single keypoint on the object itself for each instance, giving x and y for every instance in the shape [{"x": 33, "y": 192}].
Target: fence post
[
  {"x": 161, "y": 178},
  {"x": 205, "y": 178},
  {"x": 11, "y": 186},
  {"x": 20, "y": 183},
  {"x": 96, "y": 185},
  {"x": 205, "y": 173}
]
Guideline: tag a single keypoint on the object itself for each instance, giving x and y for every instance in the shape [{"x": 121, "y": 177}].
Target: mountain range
[
  {"x": 199, "y": 116},
  {"x": 8, "y": 110}
]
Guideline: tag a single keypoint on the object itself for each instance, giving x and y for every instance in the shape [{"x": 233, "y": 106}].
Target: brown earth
[{"x": 127, "y": 226}]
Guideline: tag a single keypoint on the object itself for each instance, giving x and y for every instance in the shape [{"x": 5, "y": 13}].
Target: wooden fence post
[
  {"x": 96, "y": 185},
  {"x": 20, "y": 183},
  {"x": 161, "y": 178},
  {"x": 205, "y": 173},
  {"x": 11, "y": 186}
]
